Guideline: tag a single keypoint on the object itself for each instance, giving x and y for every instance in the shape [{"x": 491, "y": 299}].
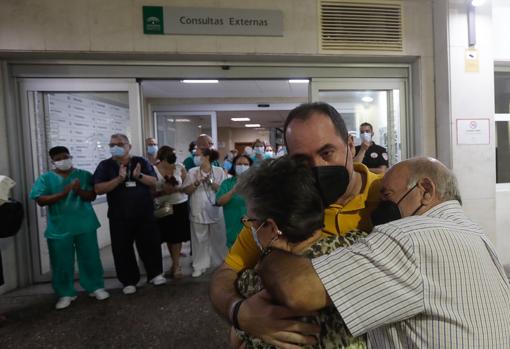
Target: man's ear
[
  {"x": 350, "y": 144},
  {"x": 428, "y": 188}
]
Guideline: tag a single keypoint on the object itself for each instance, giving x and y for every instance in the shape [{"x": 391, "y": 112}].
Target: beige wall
[
  {"x": 7, "y": 247},
  {"x": 85, "y": 28}
]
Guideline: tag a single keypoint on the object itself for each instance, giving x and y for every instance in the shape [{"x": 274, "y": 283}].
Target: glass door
[
  {"x": 79, "y": 114},
  {"x": 177, "y": 129},
  {"x": 380, "y": 102}
]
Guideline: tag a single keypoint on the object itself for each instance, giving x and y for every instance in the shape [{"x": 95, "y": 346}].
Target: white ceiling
[
  {"x": 224, "y": 89},
  {"x": 273, "y": 116}
]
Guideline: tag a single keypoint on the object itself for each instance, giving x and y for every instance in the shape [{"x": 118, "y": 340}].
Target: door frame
[
  {"x": 27, "y": 89},
  {"x": 220, "y": 67}
]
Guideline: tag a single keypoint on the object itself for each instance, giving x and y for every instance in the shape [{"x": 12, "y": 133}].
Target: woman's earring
[{"x": 279, "y": 232}]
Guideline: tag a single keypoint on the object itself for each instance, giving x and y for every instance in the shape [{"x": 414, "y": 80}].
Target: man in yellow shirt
[{"x": 349, "y": 191}]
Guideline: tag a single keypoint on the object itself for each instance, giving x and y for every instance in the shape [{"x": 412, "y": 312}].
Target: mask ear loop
[{"x": 268, "y": 248}]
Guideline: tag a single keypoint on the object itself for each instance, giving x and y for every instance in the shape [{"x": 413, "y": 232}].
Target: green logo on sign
[{"x": 153, "y": 20}]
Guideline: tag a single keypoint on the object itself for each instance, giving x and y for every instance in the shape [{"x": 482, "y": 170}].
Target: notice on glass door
[{"x": 473, "y": 131}]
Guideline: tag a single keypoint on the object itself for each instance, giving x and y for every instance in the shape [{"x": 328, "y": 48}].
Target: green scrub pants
[{"x": 62, "y": 252}]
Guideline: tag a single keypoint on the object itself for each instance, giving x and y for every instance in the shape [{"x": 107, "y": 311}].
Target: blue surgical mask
[
  {"x": 259, "y": 150},
  {"x": 240, "y": 169},
  {"x": 227, "y": 165},
  {"x": 255, "y": 236},
  {"x": 117, "y": 151},
  {"x": 197, "y": 160},
  {"x": 268, "y": 155},
  {"x": 152, "y": 149}
]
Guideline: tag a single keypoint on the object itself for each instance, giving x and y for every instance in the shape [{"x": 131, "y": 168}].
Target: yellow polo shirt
[{"x": 338, "y": 220}]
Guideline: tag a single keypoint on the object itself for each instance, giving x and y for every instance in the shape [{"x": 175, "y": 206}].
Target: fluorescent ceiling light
[
  {"x": 252, "y": 125},
  {"x": 200, "y": 81},
  {"x": 367, "y": 99},
  {"x": 182, "y": 120},
  {"x": 240, "y": 119},
  {"x": 299, "y": 81},
  {"x": 477, "y": 2}
]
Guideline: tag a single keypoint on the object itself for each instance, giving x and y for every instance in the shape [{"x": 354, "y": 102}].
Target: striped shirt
[{"x": 429, "y": 281}]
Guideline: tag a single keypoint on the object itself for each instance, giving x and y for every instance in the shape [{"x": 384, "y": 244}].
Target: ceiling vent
[{"x": 360, "y": 25}]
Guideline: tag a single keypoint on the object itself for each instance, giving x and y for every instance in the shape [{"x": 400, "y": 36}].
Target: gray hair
[
  {"x": 122, "y": 136},
  {"x": 444, "y": 179}
]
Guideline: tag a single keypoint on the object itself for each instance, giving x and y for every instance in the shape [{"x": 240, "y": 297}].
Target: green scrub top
[
  {"x": 233, "y": 211},
  {"x": 72, "y": 215}
]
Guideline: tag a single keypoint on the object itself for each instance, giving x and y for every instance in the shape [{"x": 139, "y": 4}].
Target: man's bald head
[
  {"x": 411, "y": 171},
  {"x": 204, "y": 141}
]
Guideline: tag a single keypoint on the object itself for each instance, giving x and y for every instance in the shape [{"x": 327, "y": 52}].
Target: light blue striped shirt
[{"x": 429, "y": 281}]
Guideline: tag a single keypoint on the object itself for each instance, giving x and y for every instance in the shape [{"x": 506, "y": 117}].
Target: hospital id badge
[{"x": 130, "y": 184}]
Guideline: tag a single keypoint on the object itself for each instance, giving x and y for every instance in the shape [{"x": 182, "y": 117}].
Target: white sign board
[
  {"x": 473, "y": 131},
  {"x": 222, "y": 21}
]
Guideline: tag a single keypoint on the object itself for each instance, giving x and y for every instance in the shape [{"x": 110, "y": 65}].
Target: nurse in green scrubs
[
  {"x": 71, "y": 229},
  {"x": 234, "y": 207}
]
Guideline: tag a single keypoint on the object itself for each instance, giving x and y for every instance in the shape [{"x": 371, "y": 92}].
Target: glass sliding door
[
  {"x": 178, "y": 129},
  {"x": 379, "y": 102},
  {"x": 79, "y": 114}
]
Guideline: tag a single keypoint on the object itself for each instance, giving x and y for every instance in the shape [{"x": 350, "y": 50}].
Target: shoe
[
  {"x": 197, "y": 272},
  {"x": 158, "y": 280},
  {"x": 100, "y": 294},
  {"x": 64, "y": 302},
  {"x": 129, "y": 289}
]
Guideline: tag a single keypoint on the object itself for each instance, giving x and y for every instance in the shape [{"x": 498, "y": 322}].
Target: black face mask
[
  {"x": 171, "y": 159},
  {"x": 388, "y": 211},
  {"x": 332, "y": 182}
]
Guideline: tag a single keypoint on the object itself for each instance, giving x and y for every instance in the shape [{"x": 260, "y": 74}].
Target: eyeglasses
[
  {"x": 111, "y": 145},
  {"x": 247, "y": 221}
]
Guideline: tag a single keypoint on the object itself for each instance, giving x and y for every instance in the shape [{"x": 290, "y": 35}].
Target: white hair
[{"x": 443, "y": 178}]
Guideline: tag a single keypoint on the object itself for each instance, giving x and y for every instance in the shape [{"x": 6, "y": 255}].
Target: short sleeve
[
  {"x": 225, "y": 187},
  {"x": 40, "y": 188},
  {"x": 189, "y": 178},
  {"x": 147, "y": 167},
  {"x": 244, "y": 253},
  {"x": 101, "y": 173},
  {"x": 374, "y": 282}
]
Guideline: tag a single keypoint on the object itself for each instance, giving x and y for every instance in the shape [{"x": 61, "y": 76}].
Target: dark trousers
[{"x": 145, "y": 235}]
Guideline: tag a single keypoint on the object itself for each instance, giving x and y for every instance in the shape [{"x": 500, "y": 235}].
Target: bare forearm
[
  {"x": 225, "y": 199},
  {"x": 222, "y": 290},
  {"x": 148, "y": 181},
  {"x": 86, "y": 195},
  {"x": 106, "y": 187},
  {"x": 293, "y": 282},
  {"x": 46, "y": 200}
]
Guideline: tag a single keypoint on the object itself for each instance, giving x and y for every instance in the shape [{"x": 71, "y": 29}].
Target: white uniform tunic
[{"x": 208, "y": 234}]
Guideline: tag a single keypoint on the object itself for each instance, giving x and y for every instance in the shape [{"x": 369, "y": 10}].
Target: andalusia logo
[
  {"x": 153, "y": 20},
  {"x": 153, "y": 23}
]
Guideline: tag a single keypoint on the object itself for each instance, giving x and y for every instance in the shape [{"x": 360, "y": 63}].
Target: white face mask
[
  {"x": 256, "y": 237},
  {"x": 240, "y": 169},
  {"x": 64, "y": 165},
  {"x": 197, "y": 159},
  {"x": 366, "y": 137}
]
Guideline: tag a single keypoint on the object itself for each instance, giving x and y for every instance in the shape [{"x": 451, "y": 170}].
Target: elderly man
[
  {"x": 127, "y": 182},
  {"x": 349, "y": 193},
  {"x": 429, "y": 280}
]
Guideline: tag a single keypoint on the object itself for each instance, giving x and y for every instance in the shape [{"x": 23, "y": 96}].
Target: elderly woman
[{"x": 284, "y": 210}]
